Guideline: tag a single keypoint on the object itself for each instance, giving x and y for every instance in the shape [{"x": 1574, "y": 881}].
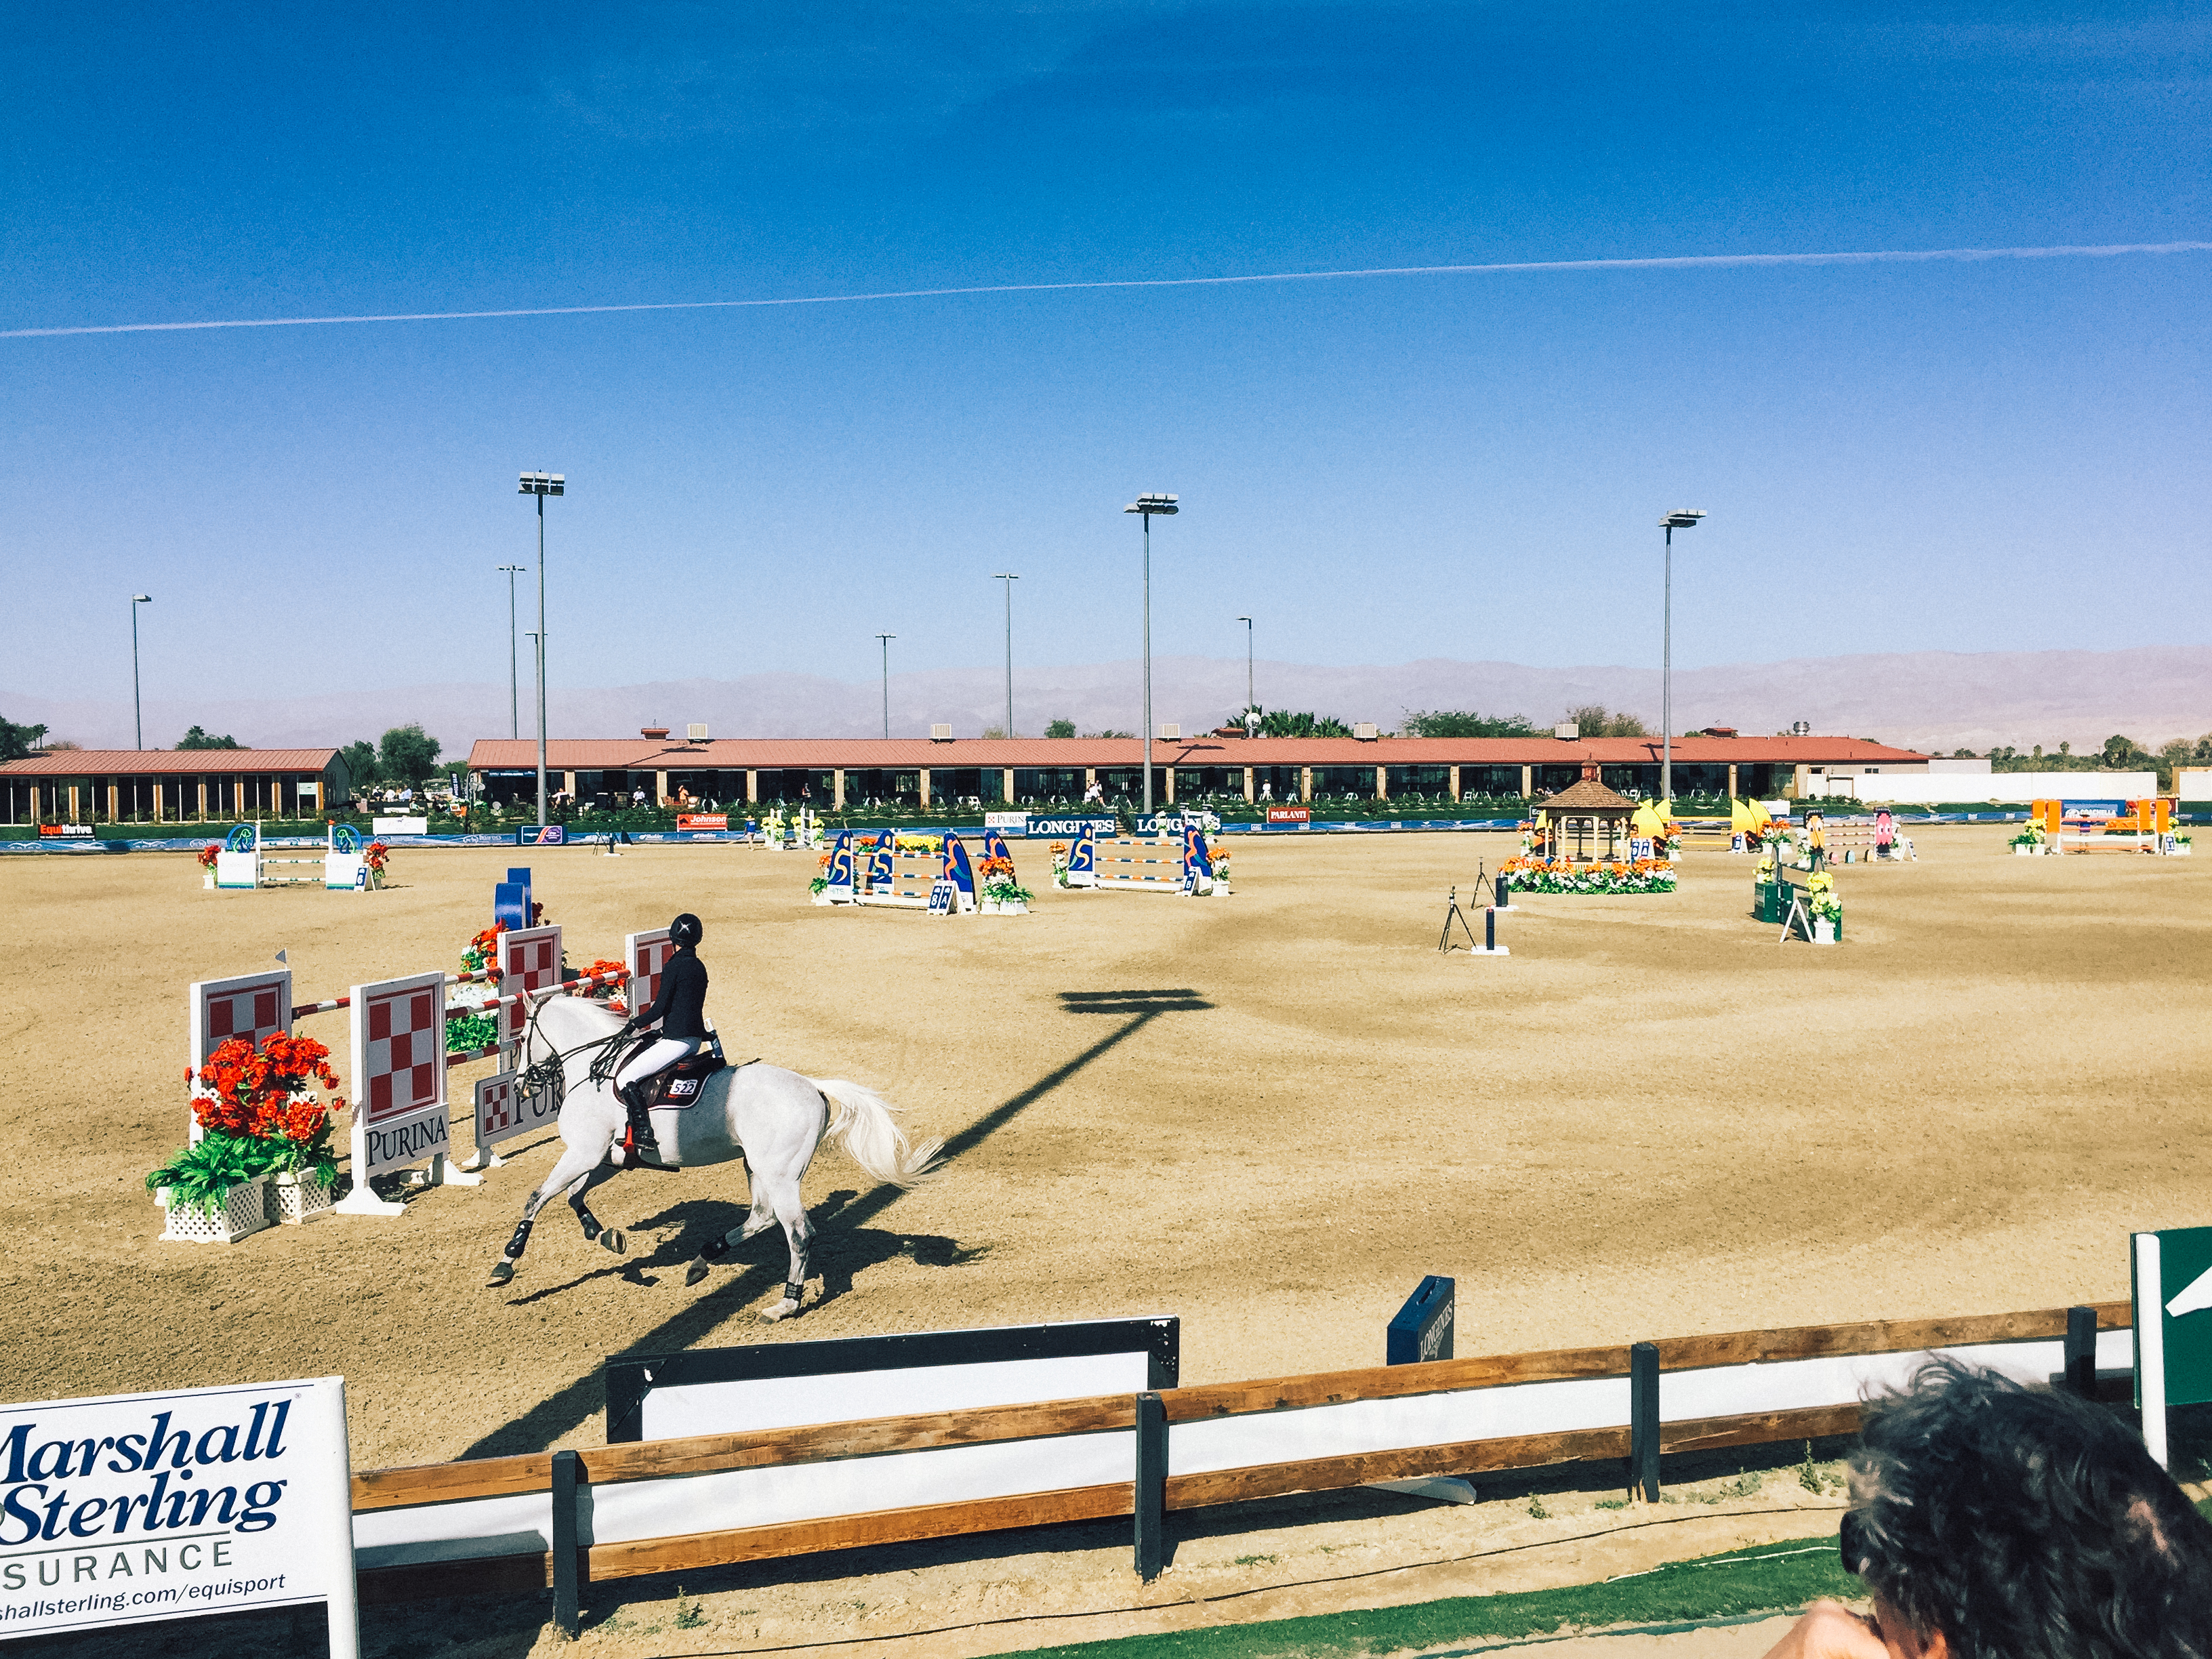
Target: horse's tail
[{"x": 861, "y": 1122}]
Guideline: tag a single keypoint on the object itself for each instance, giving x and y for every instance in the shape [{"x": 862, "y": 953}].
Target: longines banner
[{"x": 140, "y": 1507}]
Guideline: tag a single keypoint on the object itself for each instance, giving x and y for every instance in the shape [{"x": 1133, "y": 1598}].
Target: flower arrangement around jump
[
  {"x": 257, "y": 1115},
  {"x": 1536, "y": 875},
  {"x": 613, "y": 987},
  {"x": 208, "y": 854},
  {"x": 481, "y": 955},
  {"x": 1821, "y": 891},
  {"x": 999, "y": 886}
]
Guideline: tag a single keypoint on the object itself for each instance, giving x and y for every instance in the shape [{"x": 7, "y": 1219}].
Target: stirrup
[{"x": 638, "y": 1138}]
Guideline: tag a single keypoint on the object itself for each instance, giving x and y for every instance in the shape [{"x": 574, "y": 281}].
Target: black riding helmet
[{"x": 685, "y": 929}]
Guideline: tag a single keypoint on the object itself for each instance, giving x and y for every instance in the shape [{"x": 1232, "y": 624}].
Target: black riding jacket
[{"x": 681, "y": 1007}]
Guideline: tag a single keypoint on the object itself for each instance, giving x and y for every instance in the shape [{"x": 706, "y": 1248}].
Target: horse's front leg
[
  {"x": 576, "y": 1163},
  {"x": 607, "y": 1239}
]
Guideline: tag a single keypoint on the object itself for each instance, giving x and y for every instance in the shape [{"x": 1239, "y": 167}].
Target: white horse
[{"x": 771, "y": 1118}]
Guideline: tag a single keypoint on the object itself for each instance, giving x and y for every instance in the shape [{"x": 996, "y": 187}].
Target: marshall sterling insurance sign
[{"x": 141, "y": 1507}]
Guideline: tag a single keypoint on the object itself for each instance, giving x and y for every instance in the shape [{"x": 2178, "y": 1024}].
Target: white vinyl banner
[
  {"x": 138, "y": 1507},
  {"x": 620, "y": 1512}
]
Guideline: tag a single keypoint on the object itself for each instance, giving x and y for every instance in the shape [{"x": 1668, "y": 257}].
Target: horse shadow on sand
[
  {"x": 847, "y": 1240},
  {"x": 837, "y": 1255}
]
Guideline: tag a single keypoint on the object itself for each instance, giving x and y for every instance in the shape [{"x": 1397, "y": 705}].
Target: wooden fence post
[
  {"x": 568, "y": 1586},
  {"x": 1643, "y": 1421},
  {"x": 1151, "y": 1505},
  {"x": 2081, "y": 1351}
]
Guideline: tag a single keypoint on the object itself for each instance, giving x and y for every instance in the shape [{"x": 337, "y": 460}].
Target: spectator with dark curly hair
[{"x": 1995, "y": 1520}]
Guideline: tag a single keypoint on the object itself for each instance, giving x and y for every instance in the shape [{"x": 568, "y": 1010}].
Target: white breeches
[{"x": 663, "y": 1054}]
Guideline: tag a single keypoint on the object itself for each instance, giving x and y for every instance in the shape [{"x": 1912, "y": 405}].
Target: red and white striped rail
[{"x": 574, "y": 988}]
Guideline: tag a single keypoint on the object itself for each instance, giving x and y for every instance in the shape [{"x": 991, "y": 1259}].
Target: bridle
[{"x": 551, "y": 1073}]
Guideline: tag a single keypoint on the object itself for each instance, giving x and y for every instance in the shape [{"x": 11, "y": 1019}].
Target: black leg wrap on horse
[
  {"x": 589, "y": 1222},
  {"x": 520, "y": 1241},
  {"x": 714, "y": 1249},
  {"x": 793, "y": 1292}
]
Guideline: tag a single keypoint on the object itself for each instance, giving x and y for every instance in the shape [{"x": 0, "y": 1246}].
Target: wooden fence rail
[{"x": 1639, "y": 1441}]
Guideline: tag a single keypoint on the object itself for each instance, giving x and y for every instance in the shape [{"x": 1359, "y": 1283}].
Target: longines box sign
[{"x": 135, "y": 1508}]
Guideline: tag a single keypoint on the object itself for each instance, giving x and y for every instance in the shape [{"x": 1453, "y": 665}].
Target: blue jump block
[{"x": 510, "y": 906}]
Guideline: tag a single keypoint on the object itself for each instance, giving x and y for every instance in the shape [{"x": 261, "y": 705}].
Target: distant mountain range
[{"x": 1938, "y": 701}]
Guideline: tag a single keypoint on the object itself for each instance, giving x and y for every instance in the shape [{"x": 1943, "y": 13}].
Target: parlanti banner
[{"x": 134, "y": 1508}]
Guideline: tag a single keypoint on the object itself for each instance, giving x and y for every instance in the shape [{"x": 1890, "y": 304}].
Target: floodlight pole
[
  {"x": 1147, "y": 506},
  {"x": 513, "y": 674},
  {"x": 1009, "y": 580},
  {"x": 1681, "y": 519},
  {"x": 542, "y": 484},
  {"x": 541, "y": 659},
  {"x": 137, "y": 711},
  {"x": 1247, "y": 621},
  {"x": 887, "y": 638}
]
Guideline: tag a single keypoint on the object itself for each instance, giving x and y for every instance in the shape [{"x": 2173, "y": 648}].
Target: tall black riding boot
[{"x": 635, "y": 1097}]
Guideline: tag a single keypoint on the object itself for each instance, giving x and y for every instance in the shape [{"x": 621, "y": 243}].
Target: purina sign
[{"x": 135, "y": 1508}]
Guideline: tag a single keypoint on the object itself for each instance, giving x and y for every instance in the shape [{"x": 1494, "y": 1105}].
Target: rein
[{"x": 551, "y": 1073}]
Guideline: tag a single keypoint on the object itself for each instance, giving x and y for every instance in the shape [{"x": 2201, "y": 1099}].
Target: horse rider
[{"x": 680, "y": 1011}]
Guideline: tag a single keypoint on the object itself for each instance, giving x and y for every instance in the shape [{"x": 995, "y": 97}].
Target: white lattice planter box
[
  {"x": 245, "y": 1211},
  {"x": 294, "y": 1202},
  {"x": 1004, "y": 908}
]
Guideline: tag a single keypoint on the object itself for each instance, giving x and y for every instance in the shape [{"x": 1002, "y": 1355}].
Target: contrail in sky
[{"x": 1688, "y": 262}]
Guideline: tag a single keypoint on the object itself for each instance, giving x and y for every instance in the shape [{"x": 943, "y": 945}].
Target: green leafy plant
[
  {"x": 1612, "y": 1503},
  {"x": 1745, "y": 1484},
  {"x": 465, "y": 1032},
  {"x": 689, "y": 1613},
  {"x": 200, "y": 1175},
  {"x": 257, "y": 1115},
  {"x": 1537, "y": 1511},
  {"x": 1007, "y": 892}
]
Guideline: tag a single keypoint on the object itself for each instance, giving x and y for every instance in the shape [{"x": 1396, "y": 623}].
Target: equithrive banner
[{"x": 132, "y": 1508}]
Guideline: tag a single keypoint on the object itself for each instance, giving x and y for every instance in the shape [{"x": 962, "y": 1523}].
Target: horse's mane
[{"x": 566, "y": 1021}]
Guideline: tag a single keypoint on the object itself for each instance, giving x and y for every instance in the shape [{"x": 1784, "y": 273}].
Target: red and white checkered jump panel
[
  {"x": 505, "y": 1109},
  {"x": 256, "y": 1007},
  {"x": 495, "y": 1105},
  {"x": 529, "y": 960},
  {"x": 645, "y": 955},
  {"x": 398, "y": 1046}
]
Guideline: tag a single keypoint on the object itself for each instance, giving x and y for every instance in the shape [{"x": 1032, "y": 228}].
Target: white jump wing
[{"x": 2194, "y": 1298}]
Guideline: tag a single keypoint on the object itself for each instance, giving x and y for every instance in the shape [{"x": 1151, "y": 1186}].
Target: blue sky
[{"x": 1998, "y": 455}]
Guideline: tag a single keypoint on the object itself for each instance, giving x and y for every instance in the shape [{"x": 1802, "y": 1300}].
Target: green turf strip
[{"x": 1766, "y": 1577}]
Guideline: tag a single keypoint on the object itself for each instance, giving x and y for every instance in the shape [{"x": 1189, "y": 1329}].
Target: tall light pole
[
  {"x": 1247, "y": 621},
  {"x": 1682, "y": 517},
  {"x": 1148, "y": 505},
  {"x": 1010, "y": 579},
  {"x": 137, "y": 715},
  {"x": 513, "y": 675},
  {"x": 542, "y": 484},
  {"x": 887, "y": 638}
]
